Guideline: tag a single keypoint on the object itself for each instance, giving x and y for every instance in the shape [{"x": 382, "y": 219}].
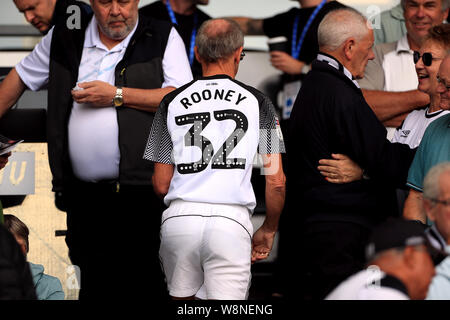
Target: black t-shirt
[
  {"x": 282, "y": 24},
  {"x": 158, "y": 10}
]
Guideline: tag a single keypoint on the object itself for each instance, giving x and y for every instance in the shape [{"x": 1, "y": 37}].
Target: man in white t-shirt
[
  {"x": 105, "y": 80},
  {"x": 203, "y": 141}
]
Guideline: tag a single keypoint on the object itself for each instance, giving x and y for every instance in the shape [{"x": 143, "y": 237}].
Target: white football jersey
[
  {"x": 413, "y": 127},
  {"x": 211, "y": 130}
]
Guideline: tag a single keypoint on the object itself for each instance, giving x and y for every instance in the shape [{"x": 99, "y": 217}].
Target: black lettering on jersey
[
  {"x": 193, "y": 138},
  {"x": 196, "y": 97},
  {"x": 229, "y": 95},
  {"x": 185, "y": 102},
  {"x": 220, "y": 160},
  {"x": 240, "y": 98},
  {"x": 206, "y": 95},
  {"x": 219, "y": 94}
]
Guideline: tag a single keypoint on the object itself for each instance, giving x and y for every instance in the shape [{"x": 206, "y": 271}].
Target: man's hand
[
  {"x": 285, "y": 62},
  {"x": 340, "y": 169},
  {"x": 4, "y": 159},
  {"x": 262, "y": 243},
  {"x": 96, "y": 93}
]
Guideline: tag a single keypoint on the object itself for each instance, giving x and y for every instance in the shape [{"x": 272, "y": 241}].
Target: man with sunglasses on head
[{"x": 390, "y": 81}]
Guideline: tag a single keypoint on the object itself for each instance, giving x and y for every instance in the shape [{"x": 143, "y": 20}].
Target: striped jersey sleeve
[
  {"x": 159, "y": 145},
  {"x": 270, "y": 136}
]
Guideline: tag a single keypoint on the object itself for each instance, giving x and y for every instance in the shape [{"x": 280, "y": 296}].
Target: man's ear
[
  {"x": 349, "y": 48},
  {"x": 237, "y": 55},
  {"x": 429, "y": 209},
  {"x": 197, "y": 56},
  {"x": 409, "y": 256}
]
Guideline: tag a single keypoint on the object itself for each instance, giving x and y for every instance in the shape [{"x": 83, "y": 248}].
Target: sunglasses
[
  {"x": 427, "y": 58},
  {"x": 242, "y": 55}
]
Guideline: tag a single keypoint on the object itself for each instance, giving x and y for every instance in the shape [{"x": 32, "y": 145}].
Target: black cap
[{"x": 400, "y": 233}]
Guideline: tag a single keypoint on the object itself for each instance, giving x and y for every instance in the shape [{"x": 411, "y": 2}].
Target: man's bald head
[{"x": 218, "y": 39}]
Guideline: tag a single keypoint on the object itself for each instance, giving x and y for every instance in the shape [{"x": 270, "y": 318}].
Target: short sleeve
[
  {"x": 270, "y": 136},
  {"x": 177, "y": 70},
  {"x": 159, "y": 145},
  {"x": 416, "y": 171},
  {"x": 33, "y": 70}
]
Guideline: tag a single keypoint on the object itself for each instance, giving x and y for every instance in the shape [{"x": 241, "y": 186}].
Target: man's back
[
  {"x": 214, "y": 124},
  {"x": 331, "y": 116}
]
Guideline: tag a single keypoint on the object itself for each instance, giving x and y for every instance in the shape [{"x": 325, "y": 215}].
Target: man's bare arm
[
  {"x": 275, "y": 195},
  {"x": 249, "y": 26},
  {"x": 11, "y": 88},
  {"x": 161, "y": 178},
  {"x": 413, "y": 209},
  {"x": 100, "y": 94},
  {"x": 387, "y": 105}
]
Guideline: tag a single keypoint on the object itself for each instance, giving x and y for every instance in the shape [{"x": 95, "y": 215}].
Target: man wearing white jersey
[
  {"x": 203, "y": 142},
  {"x": 105, "y": 80}
]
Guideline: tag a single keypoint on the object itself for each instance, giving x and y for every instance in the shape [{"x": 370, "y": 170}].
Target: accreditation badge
[{"x": 290, "y": 91}]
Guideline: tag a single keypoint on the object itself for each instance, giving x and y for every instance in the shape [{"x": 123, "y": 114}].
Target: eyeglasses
[
  {"x": 242, "y": 55},
  {"x": 443, "y": 202},
  {"x": 440, "y": 81},
  {"x": 427, "y": 58}
]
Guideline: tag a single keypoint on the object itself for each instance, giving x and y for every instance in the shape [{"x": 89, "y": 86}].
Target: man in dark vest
[{"x": 105, "y": 81}]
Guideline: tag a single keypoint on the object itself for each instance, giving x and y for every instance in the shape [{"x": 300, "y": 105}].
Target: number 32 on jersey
[{"x": 193, "y": 138}]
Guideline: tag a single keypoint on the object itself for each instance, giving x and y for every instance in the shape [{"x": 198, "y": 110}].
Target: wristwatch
[{"x": 118, "y": 98}]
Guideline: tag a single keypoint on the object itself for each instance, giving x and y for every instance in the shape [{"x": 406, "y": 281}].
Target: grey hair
[
  {"x": 339, "y": 25},
  {"x": 445, "y": 4},
  {"x": 431, "y": 185},
  {"x": 215, "y": 42}
]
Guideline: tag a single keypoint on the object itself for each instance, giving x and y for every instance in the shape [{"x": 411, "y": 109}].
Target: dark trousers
[
  {"x": 113, "y": 236},
  {"x": 329, "y": 252}
]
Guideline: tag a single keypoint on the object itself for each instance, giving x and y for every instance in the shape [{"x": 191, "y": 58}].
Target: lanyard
[
  {"x": 296, "y": 46},
  {"x": 194, "y": 30}
]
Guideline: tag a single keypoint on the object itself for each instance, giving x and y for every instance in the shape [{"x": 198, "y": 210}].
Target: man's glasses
[
  {"x": 443, "y": 202},
  {"x": 440, "y": 81},
  {"x": 242, "y": 55},
  {"x": 427, "y": 58}
]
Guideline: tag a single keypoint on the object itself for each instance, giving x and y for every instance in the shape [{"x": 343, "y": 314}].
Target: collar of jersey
[{"x": 217, "y": 76}]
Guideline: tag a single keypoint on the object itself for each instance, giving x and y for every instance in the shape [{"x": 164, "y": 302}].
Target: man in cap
[{"x": 401, "y": 264}]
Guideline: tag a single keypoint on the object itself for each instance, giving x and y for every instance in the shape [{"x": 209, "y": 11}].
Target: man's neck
[
  {"x": 435, "y": 103},
  {"x": 219, "y": 68},
  {"x": 309, "y": 3},
  {"x": 414, "y": 44},
  {"x": 183, "y": 7},
  {"x": 108, "y": 42}
]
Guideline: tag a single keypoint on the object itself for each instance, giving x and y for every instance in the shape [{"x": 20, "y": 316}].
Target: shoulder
[
  {"x": 168, "y": 98},
  {"x": 332, "y": 5},
  {"x": 382, "y": 49},
  {"x": 154, "y": 24},
  {"x": 437, "y": 126},
  {"x": 203, "y": 16}
]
